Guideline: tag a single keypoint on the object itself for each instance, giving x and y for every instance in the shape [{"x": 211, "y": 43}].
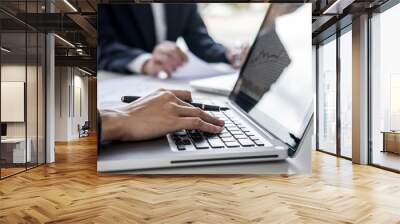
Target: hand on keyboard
[
  {"x": 156, "y": 115},
  {"x": 234, "y": 135}
]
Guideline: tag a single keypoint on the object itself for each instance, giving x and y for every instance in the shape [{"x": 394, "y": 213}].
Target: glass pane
[
  {"x": 32, "y": 87},
  {"x": 41, "y": 98},
  {"x": 13, "y": 87},
  {"x": 385, "y": 86},
  {"x": 32, "y": 98},
  {"x": 327, "y": 97},
  {"x": 346, "y": 94}
]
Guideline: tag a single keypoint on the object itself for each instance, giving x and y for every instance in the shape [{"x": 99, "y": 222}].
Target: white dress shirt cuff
[{"x": 136, "y": 65}]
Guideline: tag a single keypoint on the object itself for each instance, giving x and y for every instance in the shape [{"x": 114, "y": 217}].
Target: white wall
[
  {"x": 71, "y": 94},
  {"x": 62, "y": 81},
  {"x": 33, "y": 126},
  {"x": 81, "y": 82},
  {"x": 12, "y": 73}
]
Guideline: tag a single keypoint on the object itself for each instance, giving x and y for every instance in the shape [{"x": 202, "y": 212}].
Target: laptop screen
[{"x": 275, "y": 85}]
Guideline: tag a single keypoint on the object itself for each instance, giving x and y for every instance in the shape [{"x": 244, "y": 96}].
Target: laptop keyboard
[{"x": 234, "y": 135}]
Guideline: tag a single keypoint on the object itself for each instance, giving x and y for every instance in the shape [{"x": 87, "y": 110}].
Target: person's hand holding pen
[
  {"x": 155, "y": 115},
  {"x": 166, "y": 57}
]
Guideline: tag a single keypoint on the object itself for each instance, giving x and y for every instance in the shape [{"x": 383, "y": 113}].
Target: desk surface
[
  {"x": 390, "y": 132},
  {"x": 13, "y": 140},
  {"x": 111, "y": 86}
]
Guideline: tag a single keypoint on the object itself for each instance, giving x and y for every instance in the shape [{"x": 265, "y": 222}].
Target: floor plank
[{"x": 71, "y": 191}]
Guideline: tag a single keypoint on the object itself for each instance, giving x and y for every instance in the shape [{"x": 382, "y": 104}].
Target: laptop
[
  {"x": 222, "y": 85},
  {"x": 271, "y": 106}
]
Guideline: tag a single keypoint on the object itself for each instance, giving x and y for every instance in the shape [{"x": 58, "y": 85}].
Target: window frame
[
  {"x": 333, "y": 37},
  {"x": 378, "y": 10}
]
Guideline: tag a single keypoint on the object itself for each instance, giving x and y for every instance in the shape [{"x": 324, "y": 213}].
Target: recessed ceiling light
[
  {"x": 5, "y": 50},
  {"x": 64, "y": 40},
  {"x": 337, "y": 7},
  {"x": 70, "y": 5},
  {"x": 84, "y": 71}
]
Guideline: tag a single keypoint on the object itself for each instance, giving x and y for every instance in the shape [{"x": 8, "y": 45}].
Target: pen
[{"x": 206, "y": 107}]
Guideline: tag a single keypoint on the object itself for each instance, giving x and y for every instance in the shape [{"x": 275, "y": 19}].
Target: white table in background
[{"x": 19, "y": 153}]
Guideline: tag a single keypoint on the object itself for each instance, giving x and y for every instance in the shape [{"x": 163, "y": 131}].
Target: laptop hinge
[{"x": 234, "y": 106}]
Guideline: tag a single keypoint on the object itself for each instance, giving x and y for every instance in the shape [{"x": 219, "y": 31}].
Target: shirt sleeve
[
  {"x": 136, "y": 65},
  {"x": 199, "y": 41}
]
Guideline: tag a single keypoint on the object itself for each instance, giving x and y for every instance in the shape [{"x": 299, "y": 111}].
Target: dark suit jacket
[{"x": 126, "y": 31}]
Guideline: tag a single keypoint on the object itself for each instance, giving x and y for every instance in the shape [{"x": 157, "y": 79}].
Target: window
[
  {"x": 220, "y": 17},
  {"x": 385, "y": 89},
  {"x": 346, "y": 93},
  {"x": 327, "y": 96},
  {"x": 335, "y": 94}
]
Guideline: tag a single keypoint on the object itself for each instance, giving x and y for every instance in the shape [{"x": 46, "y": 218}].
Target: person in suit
[{"x": 140, "y": 38}]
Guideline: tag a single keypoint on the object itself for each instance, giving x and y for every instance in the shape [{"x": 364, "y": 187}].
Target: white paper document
[{"x": 196, "y": 68}]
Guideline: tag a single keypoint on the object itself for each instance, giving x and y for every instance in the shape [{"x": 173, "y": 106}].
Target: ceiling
[{"x": 75, "y": 21}]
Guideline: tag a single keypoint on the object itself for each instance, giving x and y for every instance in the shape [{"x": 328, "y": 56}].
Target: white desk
[
  {"x": 111, "y": 86},
  {"x": 19, "y": 155}
]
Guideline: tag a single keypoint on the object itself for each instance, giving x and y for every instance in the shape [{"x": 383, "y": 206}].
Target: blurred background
[{"x": 233, "y": 23}]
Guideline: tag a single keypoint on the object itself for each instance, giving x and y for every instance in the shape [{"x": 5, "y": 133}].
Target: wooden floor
[
  {"x": 71, "y": 191},
  {"x": 5, "y": 172}
]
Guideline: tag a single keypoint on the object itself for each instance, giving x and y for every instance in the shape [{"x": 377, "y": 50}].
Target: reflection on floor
[
  {"x": 10, "y": 171},
  {"x": 346, "y": 152},
  {"x": 386, "y": 159}
]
